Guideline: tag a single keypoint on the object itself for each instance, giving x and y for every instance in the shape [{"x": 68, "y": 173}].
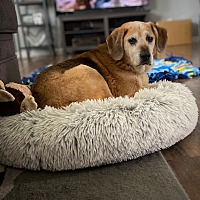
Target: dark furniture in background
[
  {"x": 85, "y": 30},
  {"x": 9, "y": 70}
]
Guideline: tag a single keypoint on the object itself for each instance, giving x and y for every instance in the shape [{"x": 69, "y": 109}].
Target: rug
[
  {"x": 146, "y": 178},
  {"x": 99, "y": 132}
]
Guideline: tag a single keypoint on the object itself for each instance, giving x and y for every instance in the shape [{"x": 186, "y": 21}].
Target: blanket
[{"x": 172, "y": 68}]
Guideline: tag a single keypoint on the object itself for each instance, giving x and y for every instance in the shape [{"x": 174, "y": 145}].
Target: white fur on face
[{"x": 138, "y": 31}]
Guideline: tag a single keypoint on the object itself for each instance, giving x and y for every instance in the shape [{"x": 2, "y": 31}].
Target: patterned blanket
[{"x": 172, "y": 68}]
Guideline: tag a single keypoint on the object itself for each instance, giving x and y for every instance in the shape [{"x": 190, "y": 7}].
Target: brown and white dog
[{"x": 116, "y": 68}]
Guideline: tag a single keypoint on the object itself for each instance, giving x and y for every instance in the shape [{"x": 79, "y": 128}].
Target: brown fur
[{"x": 112, "y": 69}]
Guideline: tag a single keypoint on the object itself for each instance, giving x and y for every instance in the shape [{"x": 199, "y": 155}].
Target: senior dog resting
[{"x": 116, "y": 68}]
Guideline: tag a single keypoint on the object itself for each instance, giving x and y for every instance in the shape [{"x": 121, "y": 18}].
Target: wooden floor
[{"x": 184, "y": 157}]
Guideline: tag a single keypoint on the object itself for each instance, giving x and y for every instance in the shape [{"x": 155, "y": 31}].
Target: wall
[{"x": 176, "y": 9}]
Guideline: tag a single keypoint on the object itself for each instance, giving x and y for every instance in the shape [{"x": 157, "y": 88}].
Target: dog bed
[{"x": 99, "y": 132}]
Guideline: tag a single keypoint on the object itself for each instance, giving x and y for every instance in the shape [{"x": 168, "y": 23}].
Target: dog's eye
[
  {"x": 132, "y": 41},
  {"x": 149, "y": 39}
]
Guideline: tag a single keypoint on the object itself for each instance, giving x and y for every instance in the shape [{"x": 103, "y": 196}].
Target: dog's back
[{"x": 73, "y": 80}]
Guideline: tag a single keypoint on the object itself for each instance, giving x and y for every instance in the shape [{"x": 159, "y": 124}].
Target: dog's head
[{"x": 135, "y": 43}]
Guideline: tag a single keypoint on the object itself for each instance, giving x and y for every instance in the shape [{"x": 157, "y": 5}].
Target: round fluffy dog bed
[{"x": 98, "y": 132}]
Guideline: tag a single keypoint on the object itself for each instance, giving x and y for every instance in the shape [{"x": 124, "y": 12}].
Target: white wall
[{"x": 176, "y": 9}]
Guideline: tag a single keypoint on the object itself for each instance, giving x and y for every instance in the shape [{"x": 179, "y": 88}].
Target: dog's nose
[{"x": 145, "y": 56}]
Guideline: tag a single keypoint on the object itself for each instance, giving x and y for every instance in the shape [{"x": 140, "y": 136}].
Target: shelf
[
  {"x": 28, "y": 24},
  {"x": 103, "y": 14},
  {"x": 31, "y": 25},
  {"x": 84, "y": 31},
  {"x": 25, "y": 3},
  {"x": 33, "y": 47}
]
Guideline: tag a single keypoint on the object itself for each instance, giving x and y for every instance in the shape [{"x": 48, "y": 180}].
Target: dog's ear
[
  {"x": 115, "y": 43},
  {"x": 161, "y": 37}
]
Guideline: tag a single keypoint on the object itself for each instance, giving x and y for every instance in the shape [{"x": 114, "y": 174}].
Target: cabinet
[{"x": 85, "y": 30}]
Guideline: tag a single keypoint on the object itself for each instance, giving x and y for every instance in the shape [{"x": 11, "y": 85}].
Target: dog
[{"x": 115, "y": 68}]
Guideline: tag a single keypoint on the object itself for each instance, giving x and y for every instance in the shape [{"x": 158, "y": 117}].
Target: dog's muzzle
[{"x": 145, "y": 57}]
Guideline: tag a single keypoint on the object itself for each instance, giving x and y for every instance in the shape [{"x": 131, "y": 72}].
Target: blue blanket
[{"x": 170, "y": 68}]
